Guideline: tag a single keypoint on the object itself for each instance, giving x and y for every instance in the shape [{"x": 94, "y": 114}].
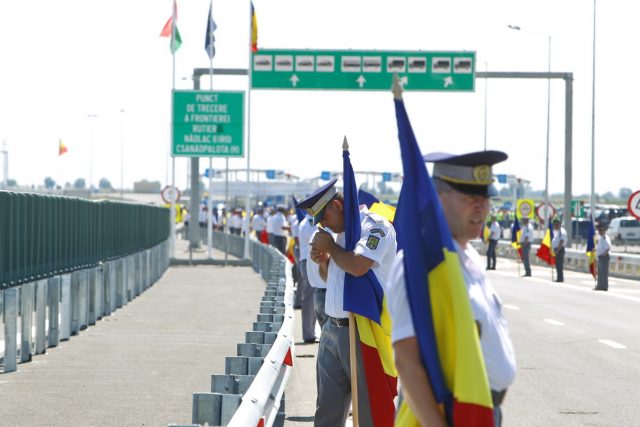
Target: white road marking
[
  {"x": 612, "y": 344},
  {"x": 554, "y": 322},
  {"x": 510, "y": 307}
]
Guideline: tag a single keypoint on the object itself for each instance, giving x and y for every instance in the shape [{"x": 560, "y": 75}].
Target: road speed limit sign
[
  {"x": 634, "y": 204},
  {"x": 170, "y": 194}
]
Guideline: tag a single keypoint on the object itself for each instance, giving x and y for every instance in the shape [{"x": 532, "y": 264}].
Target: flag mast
[
  {"x": 211, "y": 51},
  {"x": 249, "y": 74},
  {"x": 174, "y": 16}
]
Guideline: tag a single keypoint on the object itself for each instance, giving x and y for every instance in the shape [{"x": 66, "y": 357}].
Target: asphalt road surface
[{"x": 578, "y": 350}]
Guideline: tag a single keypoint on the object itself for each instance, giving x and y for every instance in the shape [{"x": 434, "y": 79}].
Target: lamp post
[
  {"x": 593, "y": 117},
  {"x": 121, "y": 153},
  {"x": 91, "y": 116},
  {"x": 547, "y": 210}
]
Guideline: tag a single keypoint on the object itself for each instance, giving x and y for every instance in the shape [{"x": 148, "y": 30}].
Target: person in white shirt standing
[
  {"x": 558, "y": 244},
  {"x": 305, "y": 288},
  {"x": 602, "y": 253},
  {"x": 280, "y": 229},
  {"x": 494, "y": 235},
  {"x": 525, "y": 242},
  {"x": 258, "y": 224}
]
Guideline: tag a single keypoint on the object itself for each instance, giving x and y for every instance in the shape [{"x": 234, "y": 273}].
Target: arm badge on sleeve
[{"x": 372, "y": 242}]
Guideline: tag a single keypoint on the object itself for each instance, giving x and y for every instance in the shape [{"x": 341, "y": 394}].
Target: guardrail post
[
  {"x": 206, "y": 408},
  {"x": 75, "y": 302},
  {"x": 66, "y": 307},
  {"x": 10, "y": 329},
  {"x": 53, "y": 296},
  {"x": 131, "y": 277},
  {"x": 26, "y": 319},
  {"x": 92, "y": 295},
  {"x": 83, "y": 299},
  {"x": 41, "y": 313}
]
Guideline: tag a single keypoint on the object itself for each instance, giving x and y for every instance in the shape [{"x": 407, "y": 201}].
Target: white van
[{"x": 624, "y": 228}]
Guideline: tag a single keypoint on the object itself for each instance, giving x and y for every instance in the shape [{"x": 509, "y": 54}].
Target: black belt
[
  {"x": 320, "y": 290},
  {"x": 340, "y": 322},
  {"x": 498, "y": 397}
]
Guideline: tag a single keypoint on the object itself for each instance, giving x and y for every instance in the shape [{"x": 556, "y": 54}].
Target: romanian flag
[
  {"x": 210, "y": 39},
  {"x": 254, "y": 30},
  {"x": 300, "y": 213},
  {"x": 545, "y": 252},
  {"x": 591, "y": 249},
  {"x": 486, "y": 233},
  {"x": 515, "y": 236},
  {"x": 365, "y": 298},
  {"x": 61, "y": 148},
  {"x": 440, "y": 309},
  {"x": 367, "y": 198},
  {"x": 170, "y": 29}
]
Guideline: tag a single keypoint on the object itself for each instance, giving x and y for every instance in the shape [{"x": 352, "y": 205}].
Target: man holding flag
[
  {"x": 359, "y": 259},
  {"x": 453, "y": 351}
]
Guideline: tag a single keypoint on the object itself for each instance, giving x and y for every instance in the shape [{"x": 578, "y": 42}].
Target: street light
[
  {"x": 91, "y": 116},
  {"x": 593, "y": 117},
  {"x": 547, "y": 210}
]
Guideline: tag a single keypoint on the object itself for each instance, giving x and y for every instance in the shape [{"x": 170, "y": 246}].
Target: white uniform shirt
[
  {"x": 202, "y": 216},
  {"x": 270, "y": 224},
  {"x": 235, "y": 221},
  {"x": 293, "y": 220},
  {"x": 527, "y": 231},
  {"x": 378, "y": 243},
  {"x": 495, "y": 231},
  {"x": 497, "y": 349},
  {"x": 603, "y": 245},
  {"x": 306, "y": 231},
  {"x": 277, "y": 223},
  {"x": 558, "y": 236},
  {"x": 258, "y": 223}
]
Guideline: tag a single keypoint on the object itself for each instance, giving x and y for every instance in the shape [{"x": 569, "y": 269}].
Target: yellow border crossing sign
[{"x": 525, "y": 208}]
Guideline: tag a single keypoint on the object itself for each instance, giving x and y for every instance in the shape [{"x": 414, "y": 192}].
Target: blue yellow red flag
[
  {"x": 440, "y": 308},
  {"x": 515, "y": 236},
  {"x": 209, "y": 37},
  {"x": 254, "y": 29},
  {"x": 591, "y": 249},
  {"x": 545, "y": 251},
  {"x": 364, "y": 297},
  {"x": 367, "y": 198}
]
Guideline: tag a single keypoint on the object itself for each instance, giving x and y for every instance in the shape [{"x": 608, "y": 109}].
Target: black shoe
[
  {"x": 527, "y": 275},
  {"x": 311, "y": 341},
  {"x": 558, "y": 281}
]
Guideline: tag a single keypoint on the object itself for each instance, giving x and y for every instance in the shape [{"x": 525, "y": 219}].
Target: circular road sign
[
  {"x": 543, "y": 213},
  {"x": 634, "y": 204},
  {"x": 170, "y": 194},
  {"x": 525, "y": 209}
]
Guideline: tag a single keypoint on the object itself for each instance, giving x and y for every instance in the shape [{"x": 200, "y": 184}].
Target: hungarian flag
[
  {"x": 440, "y": 308},
  {"x": 515, "y": 236},
  {"x": 545, "y": 252},
  {"x": 170, "y": 29},
  {"x": 61, "y": 148},
  {"x": 364, "y": 297},
  {"x": 254, "y": 29},
  {"x": 591, "y": 249}
]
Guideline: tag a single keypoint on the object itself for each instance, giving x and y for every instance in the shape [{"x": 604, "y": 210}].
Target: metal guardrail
[
  {"x": 621, "y": 265},
  {"x": 250, "y": 392},
  {"x": 43, "y": 236}
]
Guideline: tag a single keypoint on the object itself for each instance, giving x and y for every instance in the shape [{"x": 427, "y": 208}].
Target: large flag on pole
[
  {"x": 545, "y": 252},
  {"x": 515, "y": 236},
  {"x": 254, "y": 29},
  {"x": 61, "y": 148},
  {"x": 210, "y": 38},
  {"x": 591, "y": 249},
  {"x": 170, "y": 29},
  {"x": 440, "y": 309},
  {"x": 365, "y": 298}
]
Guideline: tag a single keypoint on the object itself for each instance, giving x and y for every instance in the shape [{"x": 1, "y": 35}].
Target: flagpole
[
  {"x": 210, "y": 198},
  {"x": 249, "y": 82},
  {"x": 173, "y": 158}
]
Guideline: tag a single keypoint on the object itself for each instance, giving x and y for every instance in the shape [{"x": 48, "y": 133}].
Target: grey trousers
[
  {"x": 319, "y": 295},
  {"x": 334, "y": 380},
  {"x": 560, "y": 264},
  {"x": 307, "y": 302},
  {"x": 526, "y": 249},
  {"x": 603, "y": 273},
  {"x": 491, "y": 254}
]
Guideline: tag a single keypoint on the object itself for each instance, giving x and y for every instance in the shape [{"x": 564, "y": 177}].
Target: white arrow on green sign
[
  {"x": 208, "y": 124},
  {"x": 362, "y": 70}
]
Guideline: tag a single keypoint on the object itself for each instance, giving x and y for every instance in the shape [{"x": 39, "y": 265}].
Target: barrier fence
[{"x": 65, "y": 263}]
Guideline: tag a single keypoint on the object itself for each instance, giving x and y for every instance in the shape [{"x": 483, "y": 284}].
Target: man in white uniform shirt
[
  {"x": 374, "y": 251},
  {"x": 494, "y": 235},
  {"x": 465, "y": 202},
  {"x": 526, "y": 238},
  {"x": 280, "y": 228},
  {"x": 306, "y": 289},
  {"x": 258, "y": 223},
  {"x": 557, "y": 244},
  {"x": 602, "y": 253}
]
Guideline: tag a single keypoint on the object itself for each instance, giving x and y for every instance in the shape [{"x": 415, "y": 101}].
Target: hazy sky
[{"x": 66, "y": 60}]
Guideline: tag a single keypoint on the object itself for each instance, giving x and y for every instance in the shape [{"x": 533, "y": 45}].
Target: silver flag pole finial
[
  {"x": 345, "y": 144},
  {"x": 396, "y": 87}
]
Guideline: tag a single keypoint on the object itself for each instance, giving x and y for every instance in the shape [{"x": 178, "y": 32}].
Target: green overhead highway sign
[
  {"x": 362, "y": 70},
  {"x": 208, "y": 124}
]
